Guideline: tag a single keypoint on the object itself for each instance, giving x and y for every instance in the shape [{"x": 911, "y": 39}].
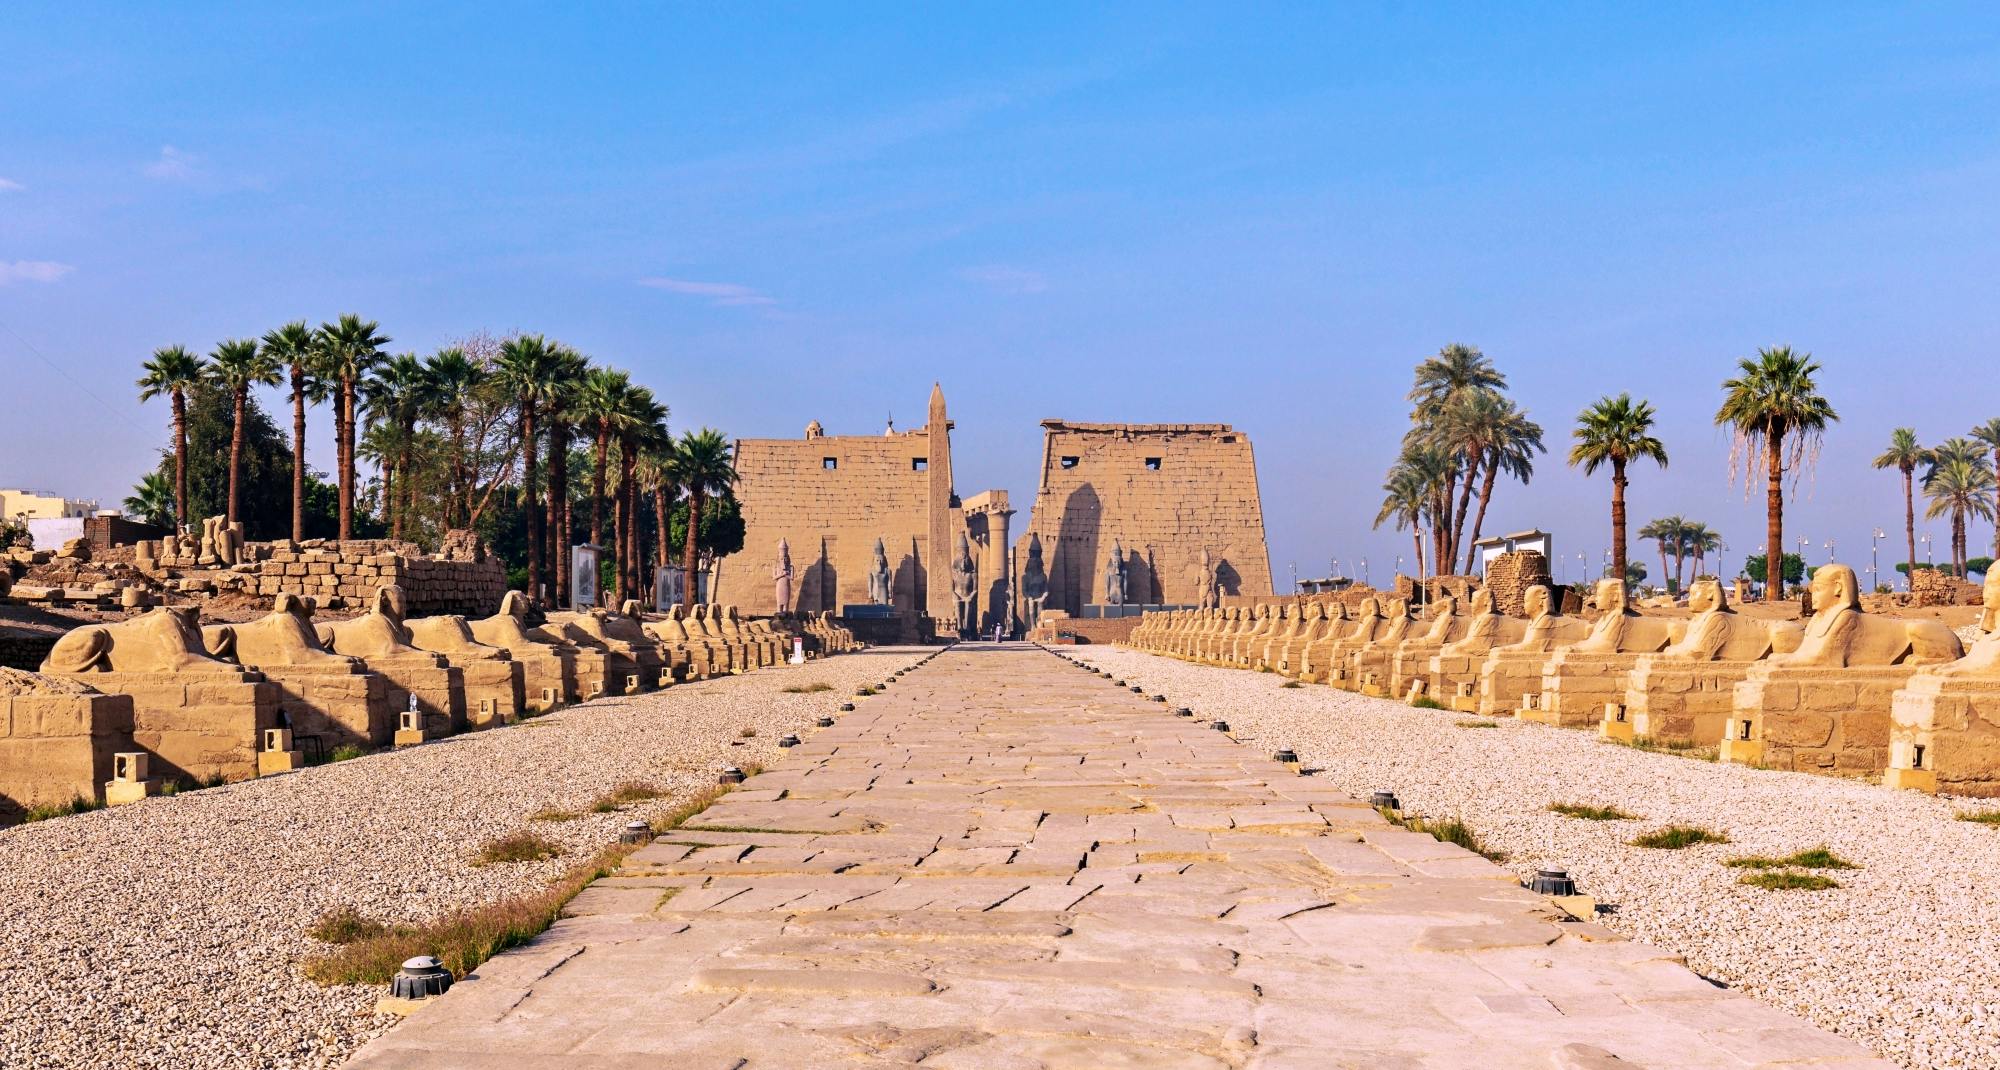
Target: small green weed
[
  {"x": 1815, "y": 858},
  {"x": 1982, "y": 817},
  {"x": 77, "y": 805},
  {"x": 1477, "y": 724},
  {"x": 522, "y": 846},
  {"x": 1425, "y": 702},
  {"x": 1785, "y": 880},
  {"x": 1288, "y": 684},
  {"x": 813, "y": 688},
  {"x": 1675, "y": 837},
  {"x": 1589, "y": 812},
  {"x": 1449, "y": 830}
]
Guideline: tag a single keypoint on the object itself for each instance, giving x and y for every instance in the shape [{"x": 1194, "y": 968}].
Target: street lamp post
[
  {"x": 1829, "y": 551},
  {"x": 1875, "y": 538},
  {"x": 1929, "y": 561},
  {"x": 1364, "y": 571}
]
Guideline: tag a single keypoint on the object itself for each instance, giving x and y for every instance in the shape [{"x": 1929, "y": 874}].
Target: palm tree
[
  {"x": 1988, "y": 434},
  {"x": 703, "y": 465},
  {"x": 656, "y": 475},
  {"x": 1407, "y": 498},
  {"x": 455, "y": 380},
  {"x": 1904, "y": 455},
  {"x": 1506, "y": 441},
  {"x": 1700, "y": 540},
  {"x": 642, "y": 424},
  {"x": 598, "y": 400},
  {"x": 174, "y": 371},
  {"x": 558, "y": 407},
  {"x": 1457, "y": 374},
  {"x": 236, "y": 366},
  {"x": 296, "y": 347},
  {"x": 524, "y": 371},
  {"x": 1616, "y": 431},
  {"x": 1959, "y": 484},
  {"x": 349, "y": 347},
  {"x": 1665, "y": 533},
  {"x": 152, "y": 500},
  {"x": 395, "y": 394},
  {"x": 1776, "y": 416}
]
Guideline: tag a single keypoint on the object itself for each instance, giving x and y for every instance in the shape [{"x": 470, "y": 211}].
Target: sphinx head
[
  {"x": 630, "y": 608},
  {"x": 1611, "y": 596},
  {"x": 1482, "y": 602},
  {"x": 1706, "y": 596},
  {"x": 1834, "y": 588},
  {"x": 1537, "y": 603},
  {"x": 389, "y": 602},
  {"x": 514, "y": 604},
  {"x": 1990, "y": 619},
  {"x": 297, "y": 605},
  {"x": 1370, "y": 607}
]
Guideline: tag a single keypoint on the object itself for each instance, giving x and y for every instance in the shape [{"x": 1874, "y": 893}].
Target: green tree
[
  {"x": 1904, "y": 455},
  {"x": 1988, "y": 434},
  {"x": 1666, "y": 535},
  {"x": 704, "y": 466},
  {"x": 348, "y": 347},
  {"x": 396, "y": 392},
  {"x": 266, "y": 462},
  {"x": 455, "y": 381},
  {"x": 1960, "y": 485},
  {"x": 174, "y": 372},
  {"x": 1411, "y": 493},
  {"x": 152, "y": 500},
  {"x": 296, "y": 346},
  {"x": 1616, "y": 431},
  {"x": 238, "y": 365},
  {"x": 1795, "y": 568},
  {"x": 1698, "y": 539},
  {"x": 641, "y": 426},
  {"x": 599, "y": 398},
  {"x": 1776, "y": 418},
  {"x": 525, "y": 371}
]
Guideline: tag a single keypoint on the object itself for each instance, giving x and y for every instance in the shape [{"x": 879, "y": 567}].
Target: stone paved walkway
[{"x": 1006, "y": 863}]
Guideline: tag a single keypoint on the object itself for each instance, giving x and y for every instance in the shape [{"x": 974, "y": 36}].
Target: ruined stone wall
[
  {"x": 464, "y": 579},
  {"x": 1166, "y": 491},
  {"x": 1509, "y": 576},
  {"x": 832, "y": 517},
  {"x": 1934, "y": 587}
]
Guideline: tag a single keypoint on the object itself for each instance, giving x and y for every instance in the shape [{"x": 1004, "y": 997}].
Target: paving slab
[{"x": 1004, "y": 862}]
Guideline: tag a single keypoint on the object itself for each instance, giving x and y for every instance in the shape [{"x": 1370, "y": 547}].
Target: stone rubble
[{"x": 1904, "y": 957}]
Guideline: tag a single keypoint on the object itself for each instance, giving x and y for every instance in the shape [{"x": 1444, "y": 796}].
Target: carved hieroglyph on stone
[
  {"x": 1824, "y": 708},
  {"x": 1034, "y": 583},
  {"x": 327, "y": 698},
  {"x": 1944, "y": 732},
  {"x": 1578, "y": 681},
  {"x": 380, "y": 639},
  {"x": 1684, "y": 693},
  {"x": 879, "y": 579},
  {"x": 198, "y": 716}
]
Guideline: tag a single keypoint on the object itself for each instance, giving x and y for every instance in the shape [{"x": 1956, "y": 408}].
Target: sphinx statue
[
  {"x": 1231, "y": 624},
  {"x": 631, "y": 654},
  {"x": 1579, "y": 680},
  {"x": 419, "y": 680},
  {"x": 1454, "y": 670},
  {"x": 1824, "y": 708},
  {"x": 330, "y": 699},
  {"x": 196, "y": 715},
  {"x": 1315, "y": 658},
  {"x": 1509, "y": 672},
  {"x": 1327, "y": 663},
  {"x": 549, "y": 665},
  {"x": 1685, "y": 692},
  {"x": 691, "y": 652},
  {"x": 1262, "y": 620},
  {"x": 496, "y": 685},
  {"x": 1291, "y": 618},
  {"x": 1944, "y": 725},
  {"x": 1366, "y": 668},
  {"x": 1409, "y": 666},
  {"x": 879, "y": 584},
  {"x": 1312, "y": 624}
]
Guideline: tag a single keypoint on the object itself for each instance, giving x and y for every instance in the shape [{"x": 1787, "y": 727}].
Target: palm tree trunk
[
  {"x": 1909, "y": 523},
  {"x": 688, "y": 549},
  {"x": 298, "y": 452},
  {"x": 461, "y": 468},
  {"x": 180, "y": 460},
  {"x": 347, "y": 451},
  {"x": 1417, "y": 538},
  {"x": 1618, "y": 521},
  {"x": 530, "y": 503},
  {"x": 558, "y": 498},
  {"x": 628, "y": 536},
  {"x": 597, "y": 484},
  {"x": 236, "y": 456},
  {"x": 389, "y": 511},
  {"x": 660, "y": 519},
  {"x": 1479, "y": 519},
  {"x": 1458, "y": 522},
  {"x": 1680, "y": 566},
  {"x": 1662, "y": 543},
  {"x": 1774, "y": 512}
]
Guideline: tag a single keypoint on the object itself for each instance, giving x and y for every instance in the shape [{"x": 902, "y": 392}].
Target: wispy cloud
[
  {"x": 174, "y": 165},
  {"x": 8, "y": 185},
  {"x": 1011, "y": 280},
  {"x": 724, "y": 294},
  {"x": 32, "y": 271}
]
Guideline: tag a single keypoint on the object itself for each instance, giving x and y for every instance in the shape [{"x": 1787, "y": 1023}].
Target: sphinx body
[
  {"x": 549, "y": 666},
  {"x": 1375, "y": 617},
  {"x": 1409, "y": 667},
  {"x": 1824, "y": 708},
  {"x": 1579, "y": 680},
  {"x": 1685, "y": 692},
  {"x": 1304, "y": 618},
  {"x": 419, "y": 680},
  {"x": 1454, "y": 670},
  {"x": 1316, "y": 656},
  {"x": 1263, "y": 622},
  {"x": 495, "y": 684},
  {"x": 1511, "y": 671},
  {"x": 1944, "y": 725},
  {"x": 1368, "y": 665},
  {"x": 196, "y": 715},
  {"x": 632, "y": 657},
  {"x": 327, "y": 700}
]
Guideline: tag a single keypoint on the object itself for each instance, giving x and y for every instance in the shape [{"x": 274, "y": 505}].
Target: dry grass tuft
[
  {"x": 1476, "y": 723},
  {"x": 1291, "y": 683},
  {"x": 631, "y": 791},
  {"x": 1448, "y": 830},
  {"x": 77, "y": 805},
  {"x": 813, "y": 688},
  {"x": 1675, "y": 837},
  {"x": 522, "y": 846},
  {"x": 1784, "y": 880},
  {"x": 1982, "y": 817},
  {"x": 1589, "y": 812}
]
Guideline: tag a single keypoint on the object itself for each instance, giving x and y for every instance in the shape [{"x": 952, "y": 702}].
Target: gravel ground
[
  {"x": 1904, "y": 957},
  {"x": 169, "y": 933}
]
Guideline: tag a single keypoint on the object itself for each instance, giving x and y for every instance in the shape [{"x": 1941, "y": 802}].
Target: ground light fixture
[
  {"x": 420, "y": 978},
  {"x": 788, "y": 740},
  {"x": 1551, "y": 879},
  {"x": 635, "y": 832},
  {"x": 1219, "y": 726},
  {"x": 824, "y": 722},
  {"x": 847, "y": 707},
  {"x": 1287, "y": 755},
  {"x": 730, "y": 775},
  {"x": 1184, "y": 712},
  {"x": 1385, "y": 800}
]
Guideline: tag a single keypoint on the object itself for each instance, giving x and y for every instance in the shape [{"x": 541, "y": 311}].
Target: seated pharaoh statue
[
  {"x": 419, "y": 680},
  {"x": 1454, "y": 669},
  {"x": 328, "y": 700},
  {"x": 548, "y": 664},
  {"x": 1509, "y": 672},
  {"x": 214, "y": 729},
  {"x": 1683, "y": 694},
  {"x": 1580, "y": 679},
  {"x": 1824, "y": 708},
  {"x": 1944, "y": 730}
]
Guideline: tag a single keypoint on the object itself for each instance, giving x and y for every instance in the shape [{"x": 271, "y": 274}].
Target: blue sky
[{"x": 1259, "y": 215}]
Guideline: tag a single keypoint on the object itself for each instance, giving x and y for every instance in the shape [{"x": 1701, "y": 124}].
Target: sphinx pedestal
[
  {"x": 1506, "y": 677},
  {"x": 1679, "y": 701},
  {"x": 333, "y": 706},
  {"x": 548, "y": 677},
  {"x": 1944, "y": 735},
  {"x": 55, "y": 747},
  {"x": 1455, "y": 680},
  {"x": 495, "y": 691},
  {"x": 1575, "y": 687},
  {"x": 195, "y": 725},
  {"x": 437, "y": 685},
  {"x": 1832, "y": 721}
]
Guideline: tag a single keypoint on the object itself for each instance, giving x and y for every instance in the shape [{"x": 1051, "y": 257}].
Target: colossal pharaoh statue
[
  {"x": 878, "y": 577},
  {"x": 1114, "y": 574},
  {"x": 964, "y": 586},
  {"x": 1034, "y": 583}
]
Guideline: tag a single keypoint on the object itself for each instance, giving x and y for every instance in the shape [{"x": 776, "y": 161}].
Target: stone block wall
[
  {"x": 25, "y": 652},
  {"x": 1509, "y": 576},
  {"x": 351, "y": 571},
  {"x": 1932, "y": 587}
]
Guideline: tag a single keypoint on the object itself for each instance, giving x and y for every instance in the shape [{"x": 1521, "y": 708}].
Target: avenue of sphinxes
[
  {"x": 1684, "y": 694},
  {"x": 1577, "y": 680}
]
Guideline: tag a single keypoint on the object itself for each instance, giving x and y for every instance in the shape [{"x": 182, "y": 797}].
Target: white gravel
[
  {"x": 170, "y": 933},
  {"x": 1904, "y": 957}
]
